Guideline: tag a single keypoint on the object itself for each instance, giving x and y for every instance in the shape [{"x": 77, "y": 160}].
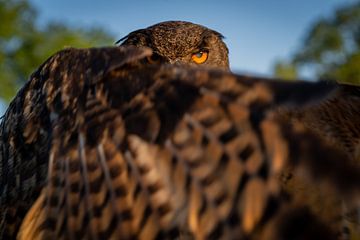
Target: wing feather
[{"x": 146, "y": 151}]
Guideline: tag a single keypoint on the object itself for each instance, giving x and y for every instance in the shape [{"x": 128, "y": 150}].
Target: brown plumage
[
  {"x": 108, "y": 144},
  {"x": 146, "y": 151},
  {"x": 177, "y": 41},
  {"x": 337, "y": 122}
]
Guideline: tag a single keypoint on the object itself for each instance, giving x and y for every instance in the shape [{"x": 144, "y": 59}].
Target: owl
[
  {"x": 157, "y": 139},
  {"x": 181, "y": 42}
]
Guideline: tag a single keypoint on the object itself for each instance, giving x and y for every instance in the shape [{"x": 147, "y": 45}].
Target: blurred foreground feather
[{"x": 101, "y": 144}]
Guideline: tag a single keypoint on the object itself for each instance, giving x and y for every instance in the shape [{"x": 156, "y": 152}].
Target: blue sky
[{"x": 257, "y": 32}]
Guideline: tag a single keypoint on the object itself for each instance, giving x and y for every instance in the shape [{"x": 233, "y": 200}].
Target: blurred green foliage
[
  {"x": 286, "y": 71},
  {"x": 331, "y": 48},
  {"x": 24, "y": 45}
]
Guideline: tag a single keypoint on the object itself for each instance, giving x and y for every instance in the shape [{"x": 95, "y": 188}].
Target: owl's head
[{"x": 181, "y": 42}]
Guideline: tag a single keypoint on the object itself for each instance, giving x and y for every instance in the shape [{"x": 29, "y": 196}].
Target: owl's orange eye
[{"x": 200, "y": 57}]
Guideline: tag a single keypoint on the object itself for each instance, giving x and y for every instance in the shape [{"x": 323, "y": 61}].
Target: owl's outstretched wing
[{"x": 134, "y": 150}]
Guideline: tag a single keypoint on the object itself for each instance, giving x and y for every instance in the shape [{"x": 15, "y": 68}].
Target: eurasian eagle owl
[{"x": 137, "y": 142}]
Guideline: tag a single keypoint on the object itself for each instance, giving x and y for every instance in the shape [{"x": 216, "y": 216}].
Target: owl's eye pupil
[{"x": 199, "y": 54}]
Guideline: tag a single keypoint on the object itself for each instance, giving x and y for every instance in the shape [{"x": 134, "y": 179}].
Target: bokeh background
[{"x": 290, "y": 39}]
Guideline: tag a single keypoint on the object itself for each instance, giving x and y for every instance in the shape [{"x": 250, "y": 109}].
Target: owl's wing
[
  {"x": 26, "y": 130},
  {"x": 158, "y": 151},
  {"x": 337, "y": 119}
]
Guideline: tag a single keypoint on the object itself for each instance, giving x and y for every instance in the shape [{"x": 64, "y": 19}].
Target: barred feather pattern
[{"x": 147, "y": 151}]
